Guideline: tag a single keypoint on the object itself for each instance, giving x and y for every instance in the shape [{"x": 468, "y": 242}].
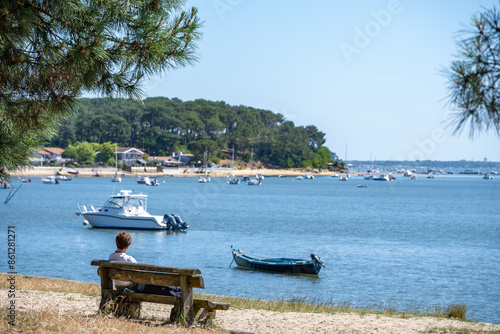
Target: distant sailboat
[
  {"x": 205, "y": 178},
  {"x": 116, "y": 178},
  {"x": 258, "y": 180},
  {"x": 232, "y": 179}
]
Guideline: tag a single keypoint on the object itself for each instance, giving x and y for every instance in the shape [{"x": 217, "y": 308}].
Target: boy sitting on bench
[{"x": 123, "y": 242}]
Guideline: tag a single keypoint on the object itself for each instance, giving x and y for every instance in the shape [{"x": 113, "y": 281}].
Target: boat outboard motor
[
  {"x": 180, "y": 224},
  {"x": 316, "y": 260},
  {"x": 170, "y": 221}
]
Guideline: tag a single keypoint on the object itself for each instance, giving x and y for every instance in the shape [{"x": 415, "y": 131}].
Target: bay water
[{"x": 428, "y": 242}]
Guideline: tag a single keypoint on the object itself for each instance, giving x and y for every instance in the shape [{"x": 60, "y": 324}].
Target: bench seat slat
[
  {"x": 199, "y": 303},
  {"x": 161, "y": 279},
  {"x": 145, "y": 267}
]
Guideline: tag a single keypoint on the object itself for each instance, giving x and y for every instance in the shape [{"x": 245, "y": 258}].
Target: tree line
[{"x": 161, "y": 126}]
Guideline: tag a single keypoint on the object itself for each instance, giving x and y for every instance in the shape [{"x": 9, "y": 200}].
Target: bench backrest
[{"x": 150, "y": 274}]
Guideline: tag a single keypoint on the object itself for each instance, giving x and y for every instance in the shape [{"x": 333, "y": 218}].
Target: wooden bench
[{"x": 186, "y": 308}]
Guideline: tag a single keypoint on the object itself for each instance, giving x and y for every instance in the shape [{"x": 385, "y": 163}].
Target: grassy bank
[
  {"x": 292, "y": 304},
  {"x": 50, "y": 320}
]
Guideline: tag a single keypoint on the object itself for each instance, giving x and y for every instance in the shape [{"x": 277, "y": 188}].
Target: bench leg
[
  {"x": 105, "y": 297},
  {"x": 127, "y": 308},
  {"x": 206, "y": 317},
  {"x": 176, "y": 314},
  {"x": 106, "y": 288}
]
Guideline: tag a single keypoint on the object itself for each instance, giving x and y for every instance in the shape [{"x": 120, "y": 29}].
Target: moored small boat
[
  {"x": 254, "y": 182},
  {"x": 50, "y": 180},
  {"x": 233, "y": 180},
  {"x": 283, "y": 265},
  {"x": 61, "y": 177},
  {"x": 381, "y": 177},
  {"x": 143, "y": 180}
]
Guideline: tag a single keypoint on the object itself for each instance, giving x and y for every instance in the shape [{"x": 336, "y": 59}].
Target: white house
[
  {"x": 184, "y": 158},
  {"x": 130, "y": 156},
  {"x": 49, "y": 154}
]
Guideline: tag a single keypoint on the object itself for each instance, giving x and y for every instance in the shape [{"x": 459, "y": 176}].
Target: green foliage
[
  {"x": 247, "y": 157},
  {"x": 199, "y": 147},
  {"x": 473, "y": 78},
  {"x": 161, "y": 126},
  {"x": 51, "y": 52},
  {"x": 106, "y": 154},
  {"x": 85, "y": 153}
]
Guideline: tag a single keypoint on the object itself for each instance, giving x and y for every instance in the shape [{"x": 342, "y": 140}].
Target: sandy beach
[
  {"x": 167, "y": 172},
  {"x": 258, "y": 321}
]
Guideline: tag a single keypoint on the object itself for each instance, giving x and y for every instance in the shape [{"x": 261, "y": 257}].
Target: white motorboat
[
  {"x": 233, "y": 180},
  {"x": 368, "y": 177},
  {"x": 300, "y": 177},
  {"x": 73, "y": 171},
  {"x": 61, "y": 177},
  {"x": 143, "y": 180},
  {"x": 254, "y": 182},
  {"x": 129, "y": 211},
  {"x": 204, "y": 179},
  {"x": 260, "y": 176},
  {"x": 116, "y": 178},
  {"x": 381, "y": 177},
  {"x": 488, "y": 177},
  {"x": 343, "y": 177},
  {"x": 153, "y": 182},
  {"x": 50, "y": 180},
  {"x": 308, "y": 176}
]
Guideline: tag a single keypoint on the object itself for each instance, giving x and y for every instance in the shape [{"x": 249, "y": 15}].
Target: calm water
[{"x": 425, "y": 241}]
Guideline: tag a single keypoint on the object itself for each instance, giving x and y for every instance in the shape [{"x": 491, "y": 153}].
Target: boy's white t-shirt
[{"x": 122, "y": 257}]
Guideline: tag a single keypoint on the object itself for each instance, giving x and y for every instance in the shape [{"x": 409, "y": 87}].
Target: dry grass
[
  {"x": 51, "y": 284},
  {"x": 50, "y": 321},
  {"x": 293, "y": 304},
  {"x": 53, "y": 321}
]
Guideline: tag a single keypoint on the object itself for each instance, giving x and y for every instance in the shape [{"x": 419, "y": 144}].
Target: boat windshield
[{"x": 121, "y": 202}]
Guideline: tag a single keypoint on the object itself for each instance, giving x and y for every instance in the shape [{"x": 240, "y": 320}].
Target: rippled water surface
[{"x": 425, "y": 241}]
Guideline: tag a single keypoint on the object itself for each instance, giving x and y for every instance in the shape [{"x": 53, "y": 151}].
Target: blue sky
[{"x": 367, "y": 73}]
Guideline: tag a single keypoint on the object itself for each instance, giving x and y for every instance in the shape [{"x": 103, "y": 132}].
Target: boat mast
[
  {"x": 251, "y": 162},
  {"x": 205, "y": 162},
  {"x": 232, "y": 162}
]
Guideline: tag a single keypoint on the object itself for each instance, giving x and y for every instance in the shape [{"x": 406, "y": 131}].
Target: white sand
[
  {"x": 175, "y": 172},
  {"x": 259, "y": 321}
]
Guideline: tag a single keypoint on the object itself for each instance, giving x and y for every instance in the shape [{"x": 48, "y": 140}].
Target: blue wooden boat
[{"x": 278, "y": 264}]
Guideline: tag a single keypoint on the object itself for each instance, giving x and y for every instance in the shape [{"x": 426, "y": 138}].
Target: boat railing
[{"x": 83, "y": 208}]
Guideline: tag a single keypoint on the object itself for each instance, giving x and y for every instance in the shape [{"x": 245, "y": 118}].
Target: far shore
[{"x": 167, "y": 172}]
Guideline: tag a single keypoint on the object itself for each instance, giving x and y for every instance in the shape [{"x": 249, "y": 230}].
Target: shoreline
[{"x": 167, "y": 172}]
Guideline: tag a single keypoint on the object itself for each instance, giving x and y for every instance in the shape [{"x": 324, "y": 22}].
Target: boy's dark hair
[{"x": 123, "y": 240}]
